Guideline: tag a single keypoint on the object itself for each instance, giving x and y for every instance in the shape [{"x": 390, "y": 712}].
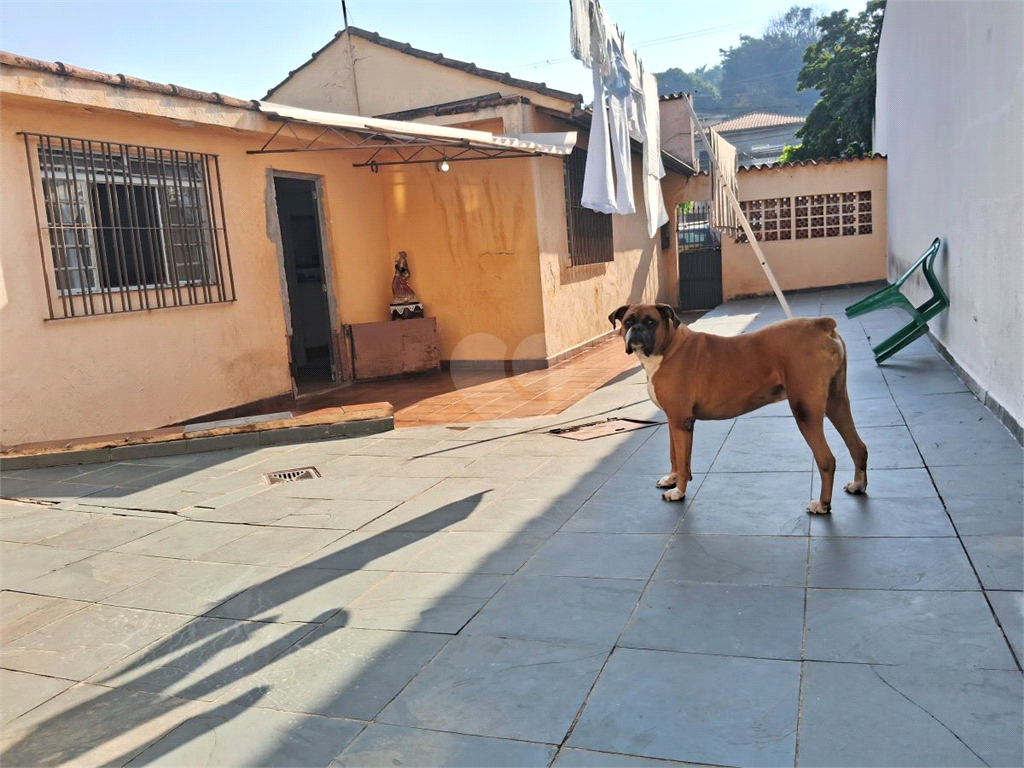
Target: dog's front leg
[
  {"x": 681, "y": 435},
  {"x": 669, "y": 480}
]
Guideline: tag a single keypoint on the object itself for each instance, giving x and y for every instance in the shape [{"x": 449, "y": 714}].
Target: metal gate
[{"x": 700, "y": 259}]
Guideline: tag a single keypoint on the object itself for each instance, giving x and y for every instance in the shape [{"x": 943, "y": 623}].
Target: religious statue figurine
[{"x": 406, "y": 304}]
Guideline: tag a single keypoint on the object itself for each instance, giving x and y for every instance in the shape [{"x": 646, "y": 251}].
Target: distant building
[{"x": 759, "y": 137}]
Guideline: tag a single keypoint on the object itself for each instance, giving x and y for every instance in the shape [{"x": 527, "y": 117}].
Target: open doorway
[{"x": 312, "y": 342}]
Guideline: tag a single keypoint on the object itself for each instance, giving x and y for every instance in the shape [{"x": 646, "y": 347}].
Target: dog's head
[{"x": 645, "y": 327}]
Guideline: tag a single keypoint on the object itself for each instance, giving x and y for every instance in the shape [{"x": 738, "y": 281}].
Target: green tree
[
  {"x": 760, "y": 74},
  {"x": 702, "y": 83},
  {"x": 841, "y": 65}
]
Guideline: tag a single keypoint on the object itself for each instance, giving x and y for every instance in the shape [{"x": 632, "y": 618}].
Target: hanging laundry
[
  {"x": 579, "y": 30},
  {"x": 598, "y": 184},
  {"x": 620, "y": 104},
  {"x": 654, "y": 168}
]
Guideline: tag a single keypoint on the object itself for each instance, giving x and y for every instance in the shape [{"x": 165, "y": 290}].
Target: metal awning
[{"x": 395, "y": 142}]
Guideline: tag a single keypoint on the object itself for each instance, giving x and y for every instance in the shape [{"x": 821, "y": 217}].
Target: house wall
[
  {"x": 471, "y": 236},
  {"x": 755, "y": 146},
  {"x": 386, "y": 81},
  {"x": 578, "y": 300},
  {"x": 677, "y": 128},
  {"x": 109, "y": 374},
  {"x": 813, "y": 262},
  {"x": 949, "y": 117}
]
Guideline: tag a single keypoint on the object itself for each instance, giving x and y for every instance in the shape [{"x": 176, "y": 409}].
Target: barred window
[
  {"x": 590, "y": 232},
  {"x": 129, "y": 227}
]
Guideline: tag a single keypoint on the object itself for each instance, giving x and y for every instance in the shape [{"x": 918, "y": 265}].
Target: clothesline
[{"x": 625, "y": 106}]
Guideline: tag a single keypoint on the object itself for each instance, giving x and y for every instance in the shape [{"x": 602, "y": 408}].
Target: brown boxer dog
[{"x": 695, "y": 376}]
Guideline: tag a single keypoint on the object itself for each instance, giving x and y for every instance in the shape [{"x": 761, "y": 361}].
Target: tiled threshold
[{"x": 248, "y": 432}]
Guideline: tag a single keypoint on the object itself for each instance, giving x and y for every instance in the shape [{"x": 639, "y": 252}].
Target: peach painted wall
[
  {"x": 471, "y": 236},
  {"x": 578, "y": 300},
  {"x": 814, "y": 262},
  {"x": 109, "y": 374}
]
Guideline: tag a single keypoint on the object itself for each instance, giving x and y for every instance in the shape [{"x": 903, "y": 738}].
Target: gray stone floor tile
[
  {"x": 641, "y": 510},
  {"x": 42, "y": 523},
  {"x": 888, "y": 448},
  {"x": 873, "y": 412},
  {"x": 191, "y": 588},
  {"x": 384, "y": 746},
  {"x": 22, "y": 692},
  {"x": 941, "y": 629},
  {"x": 185, "y": 540},
  {"x": 691, "y": 708},
  {"x": 529, "y": 517},
  {"x": 751, "y": 450},
  {"x": 98, "y": 577},
  {"x": 21, "y": 613},
  {"x": 986, "y": 517},
  {"x": 599, "y": 555},
  {"x": 751, "y": 504},
  {"x": 256, "y": 509},
  {"x": 90, "y": 725},
  {"x": 20, "y": 563},
  {"x": 107, "y": 532},
  {"x": 898, "y": 563},
  {"x": 763, "y": 622},
  {"x": 338, "y": 516},
  {"x": 272, "y": 546},
  {"x": 203, "y": 658},
  {"x": 298, "y": 594},
  {"x": 108, "y": 475},
  {"x": 410, "y": 516},
  {"x": 152, "y": 499},
  {"x": 477, "y": 686},
  {"x": 372, "y": 551},
  {"x": 1003, "y": 482},
  {"x": 508, "y": 468},
  {"x": 558, "y": 609},
  {"x": 777, "y": 561},
  {"x": 226, "y": 734},
  {"x": 895, "y": 484},
  {"x": 35, "y": 490},
  {"x": 421, "y": 602},
  {"x": 342, "y": 672},
  {"x": 870, "y": 715},
  {"x": 999, "y": 560},
  {"x": 868, "y": 515},
  {"x": 583, "y": 758},
  {"x": 475, "y": 552},
  {"x": 81, "y": 644},
  {"x": 1009, "y": 608}
]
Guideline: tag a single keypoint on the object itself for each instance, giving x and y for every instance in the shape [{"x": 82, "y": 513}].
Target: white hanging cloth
[{"x": 625, "y": 107}]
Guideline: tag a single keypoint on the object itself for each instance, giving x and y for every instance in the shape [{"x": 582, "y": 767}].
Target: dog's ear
[
  {"x": 617, "y": 314},
  {"x": 668, "y": 313}
]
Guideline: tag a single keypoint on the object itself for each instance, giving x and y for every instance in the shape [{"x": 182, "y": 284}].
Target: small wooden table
[{"x": 394, "y": 348}]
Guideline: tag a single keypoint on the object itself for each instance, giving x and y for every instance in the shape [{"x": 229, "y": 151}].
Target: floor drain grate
[
  {"x": 603, "y": 428},
  {"x": 291, "y": 475}
]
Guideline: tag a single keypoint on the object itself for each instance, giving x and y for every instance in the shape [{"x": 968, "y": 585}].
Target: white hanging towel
[
  {"x": 579, "y": 30},
  {"x": 654, "y": 169},
  {"x": 620, "y": 100},
  {"x": 598, "y": 183}
]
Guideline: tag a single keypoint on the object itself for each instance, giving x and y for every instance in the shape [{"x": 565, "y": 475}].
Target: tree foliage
[
  {"x": 841, "y": 65},
  {"x": 758, "y": 75}
]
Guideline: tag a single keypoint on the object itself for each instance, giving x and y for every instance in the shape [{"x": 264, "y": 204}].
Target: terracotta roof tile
[{"x": 756, "y": 120}]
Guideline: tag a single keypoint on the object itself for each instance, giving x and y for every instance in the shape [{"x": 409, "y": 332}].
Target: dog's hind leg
[
  {"x": 838, "y": 412},
  {"x": 669, "y": 480},
  {"x": 811, "y": 420}
]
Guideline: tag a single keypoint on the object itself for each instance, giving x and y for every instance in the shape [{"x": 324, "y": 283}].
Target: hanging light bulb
[{"x": 443, "y": 166}]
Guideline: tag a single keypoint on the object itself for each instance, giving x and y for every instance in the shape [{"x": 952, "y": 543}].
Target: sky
[{"x": 243, "y": 48}]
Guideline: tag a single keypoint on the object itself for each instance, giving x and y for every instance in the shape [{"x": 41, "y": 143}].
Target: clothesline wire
[{"x": 656, "y": 41}]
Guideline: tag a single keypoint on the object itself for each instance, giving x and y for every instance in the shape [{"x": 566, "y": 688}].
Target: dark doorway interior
[{"x": 311, "y": 345}]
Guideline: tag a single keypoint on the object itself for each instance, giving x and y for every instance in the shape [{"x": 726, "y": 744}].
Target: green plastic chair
[{"x": 890, "y": 296}]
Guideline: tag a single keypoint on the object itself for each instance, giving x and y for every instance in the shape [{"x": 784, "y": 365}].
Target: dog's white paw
[
  {"x": 817, "y": 508},
  {"x": 674, "y": 495},
  {"x": 668, "y": 481},
  {"x": 857, "y": 486}
]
